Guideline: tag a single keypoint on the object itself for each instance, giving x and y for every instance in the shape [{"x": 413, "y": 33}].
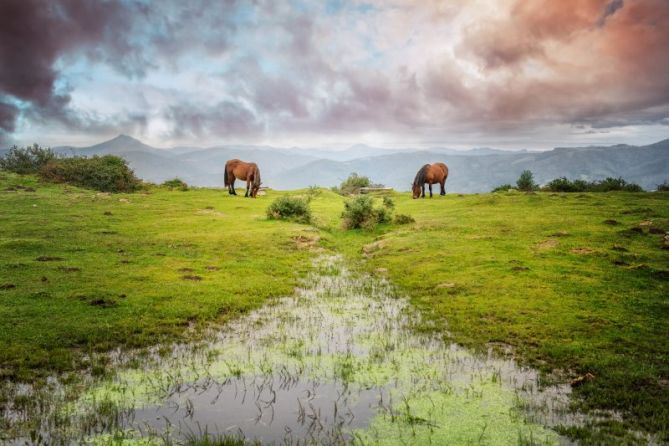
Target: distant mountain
[{"x": 476, "y": 170}]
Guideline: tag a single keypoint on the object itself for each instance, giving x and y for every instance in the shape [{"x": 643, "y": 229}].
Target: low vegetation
[
  {"x": 25, "y": 160},
  {"x": 607, "y": 185},
  {"x": 525, "y": 183},
  {"x": 360, "y": 212},
  {"x": 175, "y": 183},
  {"x": 290, "y": 208},
  {"x": 102, "y": 173}
]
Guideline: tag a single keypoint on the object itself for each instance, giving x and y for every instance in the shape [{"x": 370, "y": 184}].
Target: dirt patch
[
  {"x": 620, "y": 262},
  {"x": 655, "y": 230},
  {"x": 619, "y": 248},
  {"x": 185, "y": 270},
  {"x": 662, "y": 275},
  {"x": 582, "y": 250},
  {"x": 611, "y": 222},
  {"x": 191, "y": 277},
  {"x": 560, "y": 234},
  {"x": 306, "y": 241},
  {"x": 381, "y": 270},
  {"x": 98, "y": 301},
  {"x": 646, "y": 223},
  {"x": 580, "y": 380},
  {"x": 7, "y": 286},
  {"x": 212, "y": 268},
  {"x": 108, "y": 232},
  {"x": 520, "y": 268},
  {"x": 124, "y": 261},
  {"x": 49, "y": 259},
  {"x": 107, "y": 213},
  {"x": 546, "y": 244},
  {"x": 446, "y": 285},
  {"x": 69, "y": 269},
  {"x": 373, "y": 247}
]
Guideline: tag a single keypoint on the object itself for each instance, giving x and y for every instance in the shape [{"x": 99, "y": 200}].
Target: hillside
[{"x": 473, "y": 171}]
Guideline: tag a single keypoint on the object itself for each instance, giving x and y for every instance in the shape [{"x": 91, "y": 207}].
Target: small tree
[
  {"x": 353, "y": 184},
  {"x": 526, "y": 181}
]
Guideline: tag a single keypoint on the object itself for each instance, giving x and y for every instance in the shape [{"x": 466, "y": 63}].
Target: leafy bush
[
  {"x": 359, "y": 212},
  {"x": 609, "y": 184},
  {"x": 403, "y": 219},
  {"x": 526, "y": 181},
  {"x": 503, "y": 188},
  {"x": 27, "y": 160},
  {"x": 388, "y": 203},
  {"x": 104, "y": 173},
  {"x": 352, "y": 184},
  {"x": 289, "y": 208},
  {"x": 664, "y": 187},
  {"x": 176, "y": 183}
]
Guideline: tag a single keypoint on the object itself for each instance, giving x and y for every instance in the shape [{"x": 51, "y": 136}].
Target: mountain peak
[{"x": 122, "y": 137}]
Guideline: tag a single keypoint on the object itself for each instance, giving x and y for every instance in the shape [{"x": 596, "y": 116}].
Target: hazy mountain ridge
[{"x": 476, "y": 170}]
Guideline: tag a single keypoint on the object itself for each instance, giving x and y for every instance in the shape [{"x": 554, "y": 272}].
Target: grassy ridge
[
  {"x": 571, "y": 281},
  {"x": 135, "y": 269}
]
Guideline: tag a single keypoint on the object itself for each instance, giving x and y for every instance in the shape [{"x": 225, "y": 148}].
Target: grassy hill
[{"x": 574, "y": 283}]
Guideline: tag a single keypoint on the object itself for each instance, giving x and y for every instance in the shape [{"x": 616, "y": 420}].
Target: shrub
[
  {"x": 664, "y": 187},
  {"x": 353, "y": 184},
  {"x": 526, "y": 181},
  {"x": 503, "y": 188},
  {"x": 615, "y": 184},
  {"x": 403, "y": 219},
  {"x": 359, "y": 212},
  {"x": 176, "y": 183},
  {"x": 289, "y": 208},
  {"x": 104, "y": 173},
  {"x": 27, "y": 160},
  {"x": 312, "y": 192},
  {"x": 606, "y": 185},
  {"x": 388, "y": 203}
]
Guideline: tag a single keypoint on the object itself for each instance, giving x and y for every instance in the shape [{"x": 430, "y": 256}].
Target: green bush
[
  {"x": 503, "y": 188},
  {"x": 607, "y": 185},
  {"x": 176, "y": 183},
  {"x": 27, "y": 160},
  {"x": 403, "y": 219},
  {"x": 352, "y": 184},
  {"x": 289, "y": 208},
  {"x": 359, "y": 212},
  {"x": 107, "y": 173},
  {"x": 526, "y": 182}
]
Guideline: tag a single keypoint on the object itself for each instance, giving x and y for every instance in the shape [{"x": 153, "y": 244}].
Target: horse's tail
[
  {"x": 225, "y": 176},
  {"x": 256, "y": 178},
  {"x": 421, "y": 176}
]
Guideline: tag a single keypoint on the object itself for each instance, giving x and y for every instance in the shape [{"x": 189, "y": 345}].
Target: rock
[
  {"x": 373, "y": 247},
  {"x": 646, "y": 223}
]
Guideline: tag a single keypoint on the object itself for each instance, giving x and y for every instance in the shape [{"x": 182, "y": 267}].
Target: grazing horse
[
  {"x": 430, "y": 174},
  {"x": 248, "y": 172}
]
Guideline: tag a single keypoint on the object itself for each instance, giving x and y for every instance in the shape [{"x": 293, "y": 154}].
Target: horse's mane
[{"x": 421, "y": 175}]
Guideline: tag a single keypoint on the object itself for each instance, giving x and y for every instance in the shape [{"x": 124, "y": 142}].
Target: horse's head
[
  {"x": 255, "y": 188},
  {"x": 416, "y": 190}
]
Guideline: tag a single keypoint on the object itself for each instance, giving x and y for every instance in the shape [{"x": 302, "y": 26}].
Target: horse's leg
[
  {"x": 248, "y": 185},
  {"x": 423, "y": 191},
  {"x": 232, "y": 185},
  {"x": 430, "y": 187},
  {"x": 443, "y": 187}
]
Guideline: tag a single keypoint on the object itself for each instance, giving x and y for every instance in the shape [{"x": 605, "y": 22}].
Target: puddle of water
[{"x": 336, "y": 363}]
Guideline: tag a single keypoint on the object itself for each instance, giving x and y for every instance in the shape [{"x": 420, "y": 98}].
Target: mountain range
[{"x": 476, "y": 170}]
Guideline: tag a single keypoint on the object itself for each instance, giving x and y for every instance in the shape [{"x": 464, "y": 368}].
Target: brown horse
[
  {"x": 430, "y": 174},
  {"x": 248, "y": 172}
]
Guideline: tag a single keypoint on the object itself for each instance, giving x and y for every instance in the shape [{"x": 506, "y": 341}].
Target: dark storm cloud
[
  {"x": 132, "y": 37},
  {"x": 189, "y": 120}
]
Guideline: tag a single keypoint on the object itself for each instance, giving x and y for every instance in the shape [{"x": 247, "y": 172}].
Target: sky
[{"x": 391, "y": 73}]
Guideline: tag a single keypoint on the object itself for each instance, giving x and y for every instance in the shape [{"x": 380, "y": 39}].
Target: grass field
[{"x": 571, "y": 282}]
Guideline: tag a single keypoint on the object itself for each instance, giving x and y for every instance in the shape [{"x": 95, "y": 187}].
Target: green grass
[
  {"x": 542, "y": 273},
  {"x": 545, "y": 274},
  {"x": 130, "y": 268}
]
